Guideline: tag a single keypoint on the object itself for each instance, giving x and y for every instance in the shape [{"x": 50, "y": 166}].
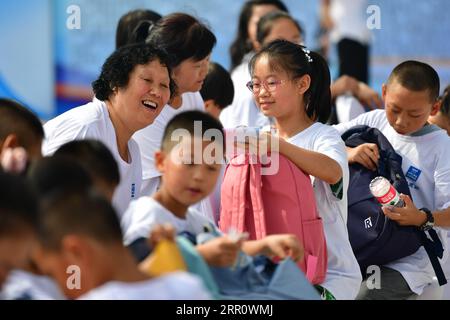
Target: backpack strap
[
  {"x": 238, "y": 194},
  {"x": 435, "y": 250},
  {"x": 255, "y": 185}
]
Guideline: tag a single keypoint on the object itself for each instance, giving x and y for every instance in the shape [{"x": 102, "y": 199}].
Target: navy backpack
[{"x": 375, "y": 239}]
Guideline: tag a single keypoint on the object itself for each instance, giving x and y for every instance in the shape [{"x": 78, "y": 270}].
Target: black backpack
[{"x": 375, "y": 239}]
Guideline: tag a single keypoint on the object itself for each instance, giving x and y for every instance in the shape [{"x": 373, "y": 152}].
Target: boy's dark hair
[
  {"x": 445, "y": 106},
  {"x": 183, "y": 37},
  {"x": 94, "y": 156},
  {"x": 52, "y": 174},
  {"x": 18, "y": 205},
  {"x": 241, "y": 45},
  {"x": 218, "y": 86},
  {"x": 416, "y": 76},
  {"x": 132, "y": 23},
  {"x": 265, "y": 24},
  {"x": 17, "y": 119},
  {"x": 83, "y": 213},
  {"x": 291, "y": 58},
  {"x": 118, "y": 66},
  {"x": 187, "y": 120}
]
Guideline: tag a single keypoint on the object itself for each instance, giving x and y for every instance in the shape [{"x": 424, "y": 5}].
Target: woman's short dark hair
[
  {"x": 118, "y": 66},
  {"x": 130, "y": 22},
  {"x": 241, "y": 45},
  {"x": 183, "y": 37}
]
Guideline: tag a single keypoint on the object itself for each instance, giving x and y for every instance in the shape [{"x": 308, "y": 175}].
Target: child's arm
[
  {"x": 220, "y": 252},
  {"x": 313, "y": 163},
  {"x": 281, "y": 245},
  {"x": 409, "y": 215}
]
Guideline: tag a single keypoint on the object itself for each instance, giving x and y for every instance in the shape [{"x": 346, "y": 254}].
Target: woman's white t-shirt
[
  {"x": 92, "y": 121},
  {"x": 343, "y": 277},
  {"x": 173, "y": 286}
]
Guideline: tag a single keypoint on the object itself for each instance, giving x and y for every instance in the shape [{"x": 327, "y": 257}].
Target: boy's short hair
[
  {"x": 218, "y": 86},
  {"x": 17, "y": 119},
  {"x": 52, "y": 174},
  {"x": 94, "y": 156},
  {"x": 78, "y": 213},
  {"x": 416, "y": 76},
  {"x": 18, "y": 205},
  {"x": 188, "y": 120}
]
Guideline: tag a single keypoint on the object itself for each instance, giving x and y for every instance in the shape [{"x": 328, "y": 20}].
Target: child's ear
[
  {"x": 209, "y": 104},
  {"x": 212, "y": 108},
  {"x": 11, "y": 141},
  {"x": 160, "y": 156},
  {"x": 74, "y": 250},
  {"x": 436, "y": 107},
  {"x": 383, "y": 91},
  {"x": 304, "y": 83}
]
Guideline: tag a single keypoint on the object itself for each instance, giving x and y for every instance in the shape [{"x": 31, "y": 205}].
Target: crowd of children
[{"x": 89, "y": 195}]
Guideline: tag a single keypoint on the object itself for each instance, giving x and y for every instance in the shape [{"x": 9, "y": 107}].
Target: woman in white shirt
[{"x": 132, "y": 89}]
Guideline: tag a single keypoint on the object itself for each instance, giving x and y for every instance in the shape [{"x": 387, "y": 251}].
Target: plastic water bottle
[{"x": 385, "y": 192}]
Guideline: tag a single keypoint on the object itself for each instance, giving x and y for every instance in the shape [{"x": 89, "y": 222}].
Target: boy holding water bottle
[{"x": 410, "y": 96}]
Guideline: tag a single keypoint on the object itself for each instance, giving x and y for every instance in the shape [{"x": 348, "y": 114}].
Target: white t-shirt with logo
[
  {"x": 146, "y": 213},
  {"x": 243, "y": 110},
  {"x": 173, "y": 286},
  {"x": 149, "y": 140},
  {"x": 343, "y": 278},
  {"x": 92, "y": 121},
  {"x": 426, "y": 167}
]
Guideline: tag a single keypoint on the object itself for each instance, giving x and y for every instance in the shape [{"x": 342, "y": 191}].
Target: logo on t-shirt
[
  {"x": 133, "y": 190},
  {"x": 413, "y": 175}
]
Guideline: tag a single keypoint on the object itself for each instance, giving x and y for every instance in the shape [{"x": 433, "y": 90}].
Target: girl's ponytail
[{"x": 319, "y": 94}]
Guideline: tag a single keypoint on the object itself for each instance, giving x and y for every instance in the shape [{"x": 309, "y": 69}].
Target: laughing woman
[{"x": 133, "y": 87}]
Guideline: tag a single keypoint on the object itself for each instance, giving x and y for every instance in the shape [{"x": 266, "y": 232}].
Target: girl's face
[
  {"x": 285, "y": 29},
  {"x": 146, "y": 93},
  {"x": 190, "y": 74},
  {"x": 257, "y": 12},
  {"x": 278, "y": 95}
]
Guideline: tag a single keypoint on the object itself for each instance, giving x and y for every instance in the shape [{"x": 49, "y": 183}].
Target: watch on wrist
[{"x": 429, "y": 223}]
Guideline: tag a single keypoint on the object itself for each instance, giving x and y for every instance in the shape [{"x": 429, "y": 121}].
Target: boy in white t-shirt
[
  {"x": 410, "y": 97},
  {"x": 189, "y": 161},
  {"x": 80, "y": 246}
]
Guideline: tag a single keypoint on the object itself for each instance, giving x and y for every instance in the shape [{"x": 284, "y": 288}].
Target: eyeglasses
[{"x": 271, "y": 85}]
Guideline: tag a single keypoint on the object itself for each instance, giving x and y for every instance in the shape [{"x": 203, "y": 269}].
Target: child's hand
[
  {"x": 282, "y": 246},
  {"x": 368, "y": 97},
  {"x": 365, "y": 154},
  {"x": 220, "y": 252},
  {"x": 14, "y": 159},
  {"x": 409, "y": 215},
  {"x": 161, "y": 232}
]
